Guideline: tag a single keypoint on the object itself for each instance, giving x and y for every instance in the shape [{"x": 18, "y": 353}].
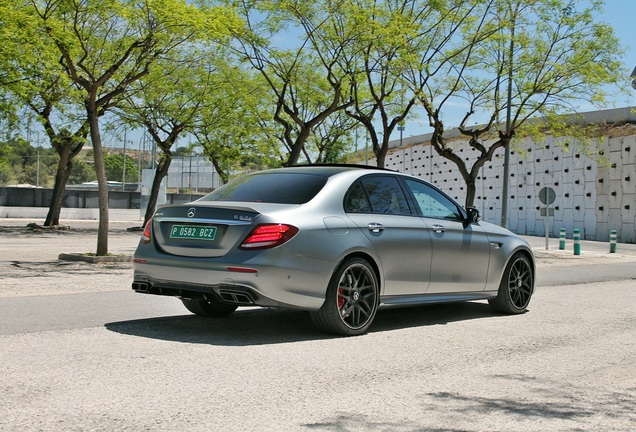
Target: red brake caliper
[{"x": 341, "y": 300}]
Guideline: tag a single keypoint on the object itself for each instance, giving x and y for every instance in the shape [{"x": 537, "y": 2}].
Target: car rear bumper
[
  {"x": 225, "y": 293},
  {"x": 263, "y": 285}
]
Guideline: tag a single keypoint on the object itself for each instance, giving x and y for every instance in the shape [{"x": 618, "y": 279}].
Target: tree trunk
[
  {"x": 93, "y": 120},
  {"x": 298, "y": 146},
  {"x": 380, "y": 159},
  {"x": 471, "y": 190},
  {"x": 379, "y": 151},
  {"x": 67, "y": 149},
  {"x": 160, "y": 174},
  {"x": 294, "y": 154},
  {"x": 61, "y": 178},
  {"x": 219, "y": 170}
]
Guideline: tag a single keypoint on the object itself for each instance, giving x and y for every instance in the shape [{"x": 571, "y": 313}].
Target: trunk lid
[{"x": 201, "y": 231}]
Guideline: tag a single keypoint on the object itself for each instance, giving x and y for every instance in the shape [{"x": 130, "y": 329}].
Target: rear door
[
  {"x": 460, "y": 250},
  {"x": 377, "y": 204}
]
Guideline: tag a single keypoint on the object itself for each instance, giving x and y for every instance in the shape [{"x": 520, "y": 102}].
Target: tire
[
  {"x": 208, "y": 309},
  {"x": 351, "y": 301},
  {"x": 516, "y": 287}
]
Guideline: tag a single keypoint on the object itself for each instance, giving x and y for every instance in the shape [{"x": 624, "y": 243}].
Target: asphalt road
[{"x": 81, "y": 351}]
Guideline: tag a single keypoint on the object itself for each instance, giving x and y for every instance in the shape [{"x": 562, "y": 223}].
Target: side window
[
  {"x": 356, "y": 200},
  {"x": 385, "y": 195},
  {"x": 432, "y": 203}
]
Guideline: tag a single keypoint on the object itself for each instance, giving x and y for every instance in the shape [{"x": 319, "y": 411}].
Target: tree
[
  {"x": 15, "y": 155},
  {"x": 33, "y": 78},
  {"x": 518, "y": 62},
  {"x": 306, "y": 80},
  {"x": 114, "y": 167},
  {"x": 185, "y": 90},
  {"x": 379, "y": 37},
  {"x": 22, "y": 163},
  {"x": 81, "y": 172},
  {"x": 333, "y": 139},
  {"x": 236, "y": 130},
  {"x": 106, "y": 46},
  {"x": 5, "y": 172}
]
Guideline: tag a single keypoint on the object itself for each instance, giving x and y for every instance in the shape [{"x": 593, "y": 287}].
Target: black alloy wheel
[
  {"x": 208, "y": 309},
  {"x": 516, "y": 288},
  {"x": 351, "y": 301}
]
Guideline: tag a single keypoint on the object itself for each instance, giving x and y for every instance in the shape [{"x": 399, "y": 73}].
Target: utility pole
[
  {"x": 504, "y": 192},
  {"x": 401, "y": 129},
  {"x": 37, "y": 181},
  {"x": 123, "y": 175}
]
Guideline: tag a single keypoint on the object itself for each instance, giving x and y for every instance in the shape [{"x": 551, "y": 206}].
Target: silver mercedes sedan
[{"x": 337, "y": 241}]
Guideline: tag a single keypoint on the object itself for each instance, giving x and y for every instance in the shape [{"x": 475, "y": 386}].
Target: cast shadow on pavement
[{"x": 257, "y": 326}]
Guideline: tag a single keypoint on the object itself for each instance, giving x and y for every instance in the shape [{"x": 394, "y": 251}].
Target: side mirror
[{"x": 473, "y": 215}]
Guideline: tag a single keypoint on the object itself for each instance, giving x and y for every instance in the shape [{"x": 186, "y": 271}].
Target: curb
[{"x": 95, "y": 259}]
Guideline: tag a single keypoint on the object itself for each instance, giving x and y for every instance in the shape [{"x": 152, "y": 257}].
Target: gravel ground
[{"x": 29, "y": 255}]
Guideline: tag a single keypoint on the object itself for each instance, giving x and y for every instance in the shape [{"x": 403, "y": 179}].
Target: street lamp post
[
  {"x": 401, "y": 129},
  {"x": 37, "y": 179},
  {"x": 504, "y": 192},
  {"x": 123, "y": 173}
]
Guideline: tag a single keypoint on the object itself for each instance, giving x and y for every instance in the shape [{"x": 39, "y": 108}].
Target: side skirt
[{"x": 436, "y": 298}]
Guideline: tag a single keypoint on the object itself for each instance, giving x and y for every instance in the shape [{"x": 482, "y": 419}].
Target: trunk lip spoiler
[{"x": 202, "y": 220}]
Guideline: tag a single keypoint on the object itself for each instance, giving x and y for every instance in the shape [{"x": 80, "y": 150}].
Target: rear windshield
[{"x": 275, "y": 188}]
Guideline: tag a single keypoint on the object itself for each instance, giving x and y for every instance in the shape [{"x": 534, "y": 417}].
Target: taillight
[
  {"x": 145, "y": 236},
  {"x": 268, "y": 236}
]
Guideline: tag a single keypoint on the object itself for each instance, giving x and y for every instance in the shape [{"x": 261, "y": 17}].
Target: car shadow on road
[{"x": 275, "y": 326}]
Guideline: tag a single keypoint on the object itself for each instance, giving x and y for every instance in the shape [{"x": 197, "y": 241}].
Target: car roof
[{"x": 328, "y": 169}]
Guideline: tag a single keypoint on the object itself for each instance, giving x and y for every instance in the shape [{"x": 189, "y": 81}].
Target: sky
[{"x": 621, "y": 14}]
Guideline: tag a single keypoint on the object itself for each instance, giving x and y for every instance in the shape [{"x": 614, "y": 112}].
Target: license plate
[{"x": 193, "y": 232}]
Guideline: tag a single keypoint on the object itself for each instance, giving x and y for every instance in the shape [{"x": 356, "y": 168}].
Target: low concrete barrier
[{"x": 69, "y": 213}]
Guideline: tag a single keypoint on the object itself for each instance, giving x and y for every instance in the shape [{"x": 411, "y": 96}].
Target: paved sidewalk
[{"x": 597, "y": 246}]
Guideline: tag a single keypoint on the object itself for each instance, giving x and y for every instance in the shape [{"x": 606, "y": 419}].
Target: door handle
[
  {"x": 375, "y": 227},
  {"x": 439, "y": 229}
]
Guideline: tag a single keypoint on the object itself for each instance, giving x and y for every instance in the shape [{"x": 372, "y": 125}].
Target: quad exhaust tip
[{"x": 142, "y": 287}]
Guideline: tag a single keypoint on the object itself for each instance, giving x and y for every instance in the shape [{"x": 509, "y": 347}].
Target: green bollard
[
  {"x": 613, "y": 241},
  {"x": 562, "y": 239},
  {"x": 576, "y": 234}
]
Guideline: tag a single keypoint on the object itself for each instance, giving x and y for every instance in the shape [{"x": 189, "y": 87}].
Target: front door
[{"x": 461, "y": 250}]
